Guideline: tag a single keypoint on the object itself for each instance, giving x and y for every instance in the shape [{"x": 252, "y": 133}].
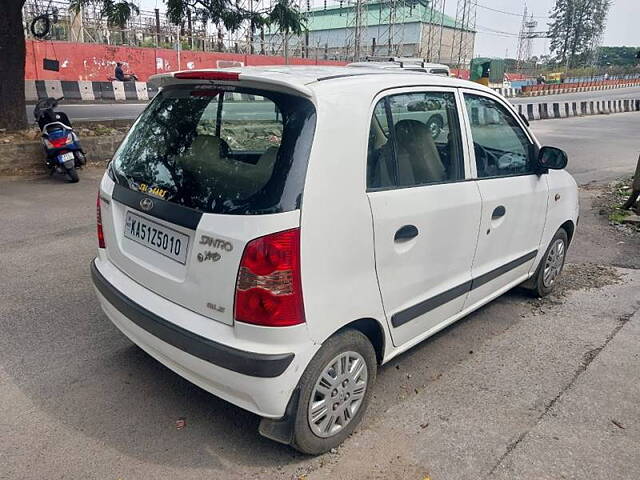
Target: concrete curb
[
  {"x": 27, "y": 156},
  {"x": 507, "y": 91},
  {"x": 98, "y": 91},
  {"x": 548, "y": 110},
  {"x": 88, "y": 91}
]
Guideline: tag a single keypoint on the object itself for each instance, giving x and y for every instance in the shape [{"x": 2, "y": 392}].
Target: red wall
[{"x": 96, "y": 62}]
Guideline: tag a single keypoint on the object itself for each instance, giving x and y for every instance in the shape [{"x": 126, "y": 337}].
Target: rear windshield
[{"x": 236, "y": 152}]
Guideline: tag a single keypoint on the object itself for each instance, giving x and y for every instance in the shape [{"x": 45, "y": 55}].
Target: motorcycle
[{"x": 61, "y": 145}]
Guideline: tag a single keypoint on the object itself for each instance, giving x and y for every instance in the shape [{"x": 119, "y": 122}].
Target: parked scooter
[{"x": 61, "y": 145}]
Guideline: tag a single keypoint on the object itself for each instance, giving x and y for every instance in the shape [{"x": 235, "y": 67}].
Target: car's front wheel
[
  {"x": 335, "y": 391},
  {"x": 544, "y": 280}
]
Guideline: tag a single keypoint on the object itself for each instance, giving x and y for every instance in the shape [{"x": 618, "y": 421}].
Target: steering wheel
[{"x": 482, "y": 159}]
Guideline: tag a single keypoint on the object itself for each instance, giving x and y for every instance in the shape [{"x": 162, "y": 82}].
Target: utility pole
[
  {"x": 434, "y": 30},
  {"x": 462, "y": 45},
  {"x": 525, "y": 39},
  {"x": 157, "y": 27},
  {"x": 358, "y": 31}
]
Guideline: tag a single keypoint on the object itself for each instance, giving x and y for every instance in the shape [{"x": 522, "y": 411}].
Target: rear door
[
  {"x": 201, "y": 173},
  {"x": 425, "y": 214},
  {"x": 514, "y": 197}
]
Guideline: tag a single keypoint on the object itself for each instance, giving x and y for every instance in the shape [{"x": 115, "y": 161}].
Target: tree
[
  {"x": 618, "y": 56},
  {"x": 283, "y": 14},
  {"x": 12, "y": 53},
  {"x": 635, "y": 190},
  {"x": 576, "y": 26}
]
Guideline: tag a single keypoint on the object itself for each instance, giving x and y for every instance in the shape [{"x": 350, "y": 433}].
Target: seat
[
  {"x": 380, "y": 162},
  {"x": 228, "y": 177},
  {"x": 418, "y": 159}
]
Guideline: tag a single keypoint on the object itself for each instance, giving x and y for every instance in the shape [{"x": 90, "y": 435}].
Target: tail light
[
  {"x": 101, "y": 243},
  {"x": 60, "y": 142},
  {"x": 269, "y": 290}
]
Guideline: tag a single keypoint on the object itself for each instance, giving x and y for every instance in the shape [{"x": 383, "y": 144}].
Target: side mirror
[{"x": 552, "y": 158}]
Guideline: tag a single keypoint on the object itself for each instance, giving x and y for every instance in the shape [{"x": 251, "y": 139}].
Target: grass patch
[{"x": 618, "y": 215}]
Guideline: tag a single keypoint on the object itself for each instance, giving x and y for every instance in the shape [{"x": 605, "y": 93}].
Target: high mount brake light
[
  {"x": 268, "y": 289},
  {"x": 203, "y": 75},
  {"x": 100, "y": 232}
]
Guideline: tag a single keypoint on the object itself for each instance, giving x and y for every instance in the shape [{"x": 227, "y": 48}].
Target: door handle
[
  {"x": 406, "y": 233},
  {"x": 498, "y": 212}
]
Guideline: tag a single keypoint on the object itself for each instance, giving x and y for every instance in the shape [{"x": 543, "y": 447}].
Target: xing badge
[{"x": 209, "y": 256}]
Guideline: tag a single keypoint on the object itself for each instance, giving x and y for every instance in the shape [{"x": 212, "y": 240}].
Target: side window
[
  {"x": 423, "y": 145},
  {"x": 501, "y": 146}
]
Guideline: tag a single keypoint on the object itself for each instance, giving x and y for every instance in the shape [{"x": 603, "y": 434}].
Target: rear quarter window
[{"x": 234, "y": 152}]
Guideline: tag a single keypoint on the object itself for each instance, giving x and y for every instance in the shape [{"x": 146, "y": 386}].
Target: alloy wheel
[
  {"x": 553, "y": 263},
  {"x": 338, "y": 394}
]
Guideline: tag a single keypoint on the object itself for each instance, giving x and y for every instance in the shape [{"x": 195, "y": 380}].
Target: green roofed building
[{"x": 390, "y": 27}]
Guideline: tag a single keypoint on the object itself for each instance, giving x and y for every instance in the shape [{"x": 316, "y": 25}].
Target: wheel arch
[
  {"x": 570, "y": 228},
  {"x": 373, "y": 330}
]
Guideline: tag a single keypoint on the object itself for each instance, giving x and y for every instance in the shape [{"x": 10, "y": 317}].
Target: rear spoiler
[{"x": 275, "y": 81}]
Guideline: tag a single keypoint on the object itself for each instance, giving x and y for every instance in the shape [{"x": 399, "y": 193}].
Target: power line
[
  {"x": 491, "y": 30},
  {"x": 508, "y": 13}
]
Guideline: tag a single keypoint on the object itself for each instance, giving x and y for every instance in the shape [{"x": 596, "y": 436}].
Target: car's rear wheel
[
  {"x": 335, "y": 392},
  {"x": 546, "y": 276}
]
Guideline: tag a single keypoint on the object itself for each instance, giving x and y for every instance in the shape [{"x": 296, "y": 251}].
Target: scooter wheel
[
  {"x": 81, "y": 160},
  {"x": 72, "y": 175}
]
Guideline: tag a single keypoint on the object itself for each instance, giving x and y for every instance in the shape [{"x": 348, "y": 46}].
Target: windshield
[{"x": 234, "y": 152}]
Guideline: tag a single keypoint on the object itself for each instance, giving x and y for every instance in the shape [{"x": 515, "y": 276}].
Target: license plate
[
  {"x": 166, "y": 241},
  {"x": 65, "y": 157}
]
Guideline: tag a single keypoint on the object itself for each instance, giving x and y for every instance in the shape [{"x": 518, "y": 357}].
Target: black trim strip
[
  {"x": 247, "y": 363},
  {"x": 496, "y": 272},
  {"x": 432, "y": 303},
  {"x": 429, "y": 304},
  {"x": 171, "y": 212}
]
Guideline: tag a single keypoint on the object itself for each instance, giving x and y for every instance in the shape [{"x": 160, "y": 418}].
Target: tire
[
  {"x": 355, "y": 347},
  {"x": 540, "y": 284},
  {"x": 435, "y": 125},
  {"x": 40, "y": 26},
  {"x": 72, "y": 175},
  {"x": 81, "y": 160}
]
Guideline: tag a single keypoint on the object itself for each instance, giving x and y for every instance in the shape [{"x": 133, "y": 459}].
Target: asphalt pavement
[
  {"x": 117, "y": 111},
  {"x": 520, "y": 389}
]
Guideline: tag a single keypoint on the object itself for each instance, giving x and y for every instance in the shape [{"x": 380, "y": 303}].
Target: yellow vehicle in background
[{"x": 555, "y": 77}]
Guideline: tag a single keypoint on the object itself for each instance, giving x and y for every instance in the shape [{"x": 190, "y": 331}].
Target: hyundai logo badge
[{"x": 146, "y": 204}]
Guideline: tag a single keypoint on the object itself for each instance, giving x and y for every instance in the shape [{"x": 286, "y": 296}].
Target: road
[
  {"x": 116, "y": 111},
  {"x": 520, "y": 389}
]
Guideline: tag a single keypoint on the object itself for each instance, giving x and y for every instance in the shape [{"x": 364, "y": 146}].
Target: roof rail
[{"x": 401, "y": 60}]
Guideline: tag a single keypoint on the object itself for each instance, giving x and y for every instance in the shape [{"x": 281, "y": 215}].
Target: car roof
[{"x": 310, "y": 79}]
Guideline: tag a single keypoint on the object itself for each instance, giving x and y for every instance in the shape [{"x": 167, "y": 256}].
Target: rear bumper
[
  {"x": 247, "y": 363},
  {"x": 259, "y": 382}
]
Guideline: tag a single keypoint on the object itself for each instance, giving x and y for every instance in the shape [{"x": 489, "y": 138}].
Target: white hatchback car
[{"x": 272, "y": 234}]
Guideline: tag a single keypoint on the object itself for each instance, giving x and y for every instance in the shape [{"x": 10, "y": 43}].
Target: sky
[{"x": 623, "y": 25}]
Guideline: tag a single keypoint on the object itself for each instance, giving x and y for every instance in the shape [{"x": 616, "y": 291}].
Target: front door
[
  {"x": 514, "y": 197},
  {"x": 425, "y": 214}
]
